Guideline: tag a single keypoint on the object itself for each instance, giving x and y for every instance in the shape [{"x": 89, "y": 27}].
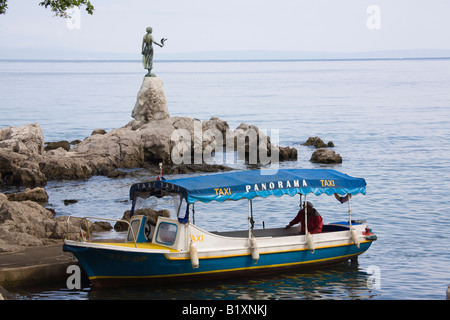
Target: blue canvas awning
[{"x": 237, "y": 185}]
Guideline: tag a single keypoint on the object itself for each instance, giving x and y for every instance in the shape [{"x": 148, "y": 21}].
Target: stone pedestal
[{"x": 151, "y": 103}]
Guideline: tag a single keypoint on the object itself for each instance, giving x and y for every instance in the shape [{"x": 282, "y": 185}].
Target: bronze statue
[{"x": 147, "y": 51}]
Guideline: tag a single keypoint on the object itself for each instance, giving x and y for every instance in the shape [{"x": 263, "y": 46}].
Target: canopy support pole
[
  {"x": 306, "y": 217},
  {"x": 309, "y": 238},
  {"x": 251, "y": 222},
  {"x": 349, "y": 214},
  {"x": 353, "y": 234},
  {"x": 252, "y": 241}
]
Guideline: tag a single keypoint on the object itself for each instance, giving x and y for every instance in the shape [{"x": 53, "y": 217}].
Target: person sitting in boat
[{"x": 315, "y": 221}]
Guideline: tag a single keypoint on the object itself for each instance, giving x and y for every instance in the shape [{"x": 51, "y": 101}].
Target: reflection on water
[{"x": 346, "y": 281}]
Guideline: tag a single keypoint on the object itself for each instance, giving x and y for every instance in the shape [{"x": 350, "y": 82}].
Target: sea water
[{"x": 388, "y": 119}]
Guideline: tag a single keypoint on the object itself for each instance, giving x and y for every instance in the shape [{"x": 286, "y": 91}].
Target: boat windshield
[{"x": 174, "y": 203}]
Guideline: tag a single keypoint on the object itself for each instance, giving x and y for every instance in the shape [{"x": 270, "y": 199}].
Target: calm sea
[{"x": 389, "y": 120}]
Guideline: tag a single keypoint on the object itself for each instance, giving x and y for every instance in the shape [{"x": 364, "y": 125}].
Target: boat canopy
[{"x": 237, "y": 185}]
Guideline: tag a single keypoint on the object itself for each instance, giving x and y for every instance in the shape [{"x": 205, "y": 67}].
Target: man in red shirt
[{"x": 315, "y": 221}]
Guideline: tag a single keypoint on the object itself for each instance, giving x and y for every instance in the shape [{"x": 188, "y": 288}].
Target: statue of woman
[{"x": 147, "y": 51}]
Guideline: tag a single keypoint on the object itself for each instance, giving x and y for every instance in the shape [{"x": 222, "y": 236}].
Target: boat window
[
  {"x": 135, "y": 227},
  {"x": 167, "y": 233}
]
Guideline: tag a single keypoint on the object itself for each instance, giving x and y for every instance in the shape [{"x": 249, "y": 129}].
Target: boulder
[
  {"x": 288, "y": 154},
  {"x": 27, "y": 223},
  {"x": 20, "y": 149},
  {"x": 59, "y": 144},
  {"x": 98, "y": 131},
  {"x": 324, "y": 155},
  {"x": 36, "y": 195},
  {"x": 20, "y": 170},
  {"x": 25, "y": 140},
  {"x": 317, "y": 142},
  {"x": 24, "y": 223},
  {"x": 151, "y": 103}
]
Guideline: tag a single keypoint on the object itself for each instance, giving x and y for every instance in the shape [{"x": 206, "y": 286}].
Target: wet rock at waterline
[
  {"x": 317, "y": 143},
  {"x": 25, "y": 223},
  {"x": 326, "y": 156}
]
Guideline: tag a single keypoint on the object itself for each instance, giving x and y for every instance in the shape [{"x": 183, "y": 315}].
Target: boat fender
[
  {"x": 254, "y": 249},
  {"x": 194, "y": 255},
  {"x": 310, "y": 241},
  {"x": 354, "y": 237}
]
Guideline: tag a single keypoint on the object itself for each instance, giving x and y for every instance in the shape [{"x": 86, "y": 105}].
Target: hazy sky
[{"x": 117, "y": 26}]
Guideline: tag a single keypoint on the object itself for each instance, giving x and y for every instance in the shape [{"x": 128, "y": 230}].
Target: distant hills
[
  {"x": 44, "y": 54},
  {"x": 303, "y": 55}
]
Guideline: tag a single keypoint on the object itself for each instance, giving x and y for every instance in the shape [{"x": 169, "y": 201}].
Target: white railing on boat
[{"x": 96, "y": 218}]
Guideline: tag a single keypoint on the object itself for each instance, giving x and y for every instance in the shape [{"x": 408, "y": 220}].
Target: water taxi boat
[{"x": 175, "y": 249}]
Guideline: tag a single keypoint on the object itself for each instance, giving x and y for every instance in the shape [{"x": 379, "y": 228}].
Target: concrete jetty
[{"x": 35, "y": 266}]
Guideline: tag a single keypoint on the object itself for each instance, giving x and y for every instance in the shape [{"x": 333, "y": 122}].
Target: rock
[
  {"x": 36, "y": 195},
  {"x": 27, "y": 223},
  {"x": 317, "y": 142},
  {"x": 100, "y": 226},
  {"x": 288, "y": 154},
  {"x": 327, "y": 156},
  {"x": 28, "y": 177},
  {"x": 75, "y": 142},
  {"x": 20, "y": 151},
  {"x": 216, "y": 124},
  {"x": 194, "y": 168},
  {"x": 59, "y": 144},
  {"x": 25, "y": 140},
  {"x": 137, "y": 144},
  {"x": 3, "y": 198},
  {"x": 70, "y": 201},
  {"x": 24, "y": 223},
  {"x": 64, "y": 227},
  {"x": 60, "y": 165},
  {"x": 151, "y": 101},
  {"x": 98, "y": 131}
]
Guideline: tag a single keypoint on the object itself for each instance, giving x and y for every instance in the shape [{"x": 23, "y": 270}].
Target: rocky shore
[{"x": 153, "y": 137}]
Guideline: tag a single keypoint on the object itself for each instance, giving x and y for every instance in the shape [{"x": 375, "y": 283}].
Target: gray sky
[{"x": 117, "y": 26}]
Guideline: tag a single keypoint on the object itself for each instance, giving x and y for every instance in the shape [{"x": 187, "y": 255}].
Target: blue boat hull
[{"x": 109, "y": 267}]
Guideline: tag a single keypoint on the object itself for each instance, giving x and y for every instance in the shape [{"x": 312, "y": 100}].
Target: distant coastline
[
  {"x": 8, "y": 54},
  {"x": 211, "y": 60}
]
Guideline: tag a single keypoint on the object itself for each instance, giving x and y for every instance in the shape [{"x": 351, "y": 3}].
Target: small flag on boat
[{"x": 161, "y": 173}]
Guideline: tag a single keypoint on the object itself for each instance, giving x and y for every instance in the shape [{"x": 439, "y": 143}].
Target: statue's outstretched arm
[{"x": 157, "y": 43}]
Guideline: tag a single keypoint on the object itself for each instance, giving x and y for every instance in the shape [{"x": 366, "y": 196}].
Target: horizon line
[{"x": 223, "y": 60}]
